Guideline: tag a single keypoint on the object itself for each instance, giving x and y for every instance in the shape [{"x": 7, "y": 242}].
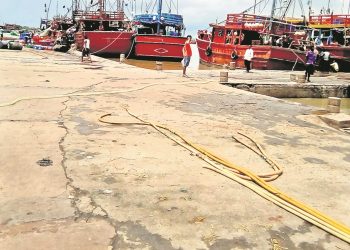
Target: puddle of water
[
  {"x": 151, "y": 64},
  {"x": 322, "y": 103}
]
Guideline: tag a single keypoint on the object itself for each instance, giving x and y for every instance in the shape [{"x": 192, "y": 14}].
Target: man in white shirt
[
  {"x": 325, "y": 57},
  {"x": 248, "y": 56},
  {"x": 86, "y": 49}
]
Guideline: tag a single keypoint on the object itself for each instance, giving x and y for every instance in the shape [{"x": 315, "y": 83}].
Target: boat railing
[
  {"x": 243, "y": 18},
  {"x": 329, "y": 21},
  {"x": 97, "y": 15}
]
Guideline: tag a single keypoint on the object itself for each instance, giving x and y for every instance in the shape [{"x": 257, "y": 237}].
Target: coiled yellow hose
[{"x": 256, "y": 184}]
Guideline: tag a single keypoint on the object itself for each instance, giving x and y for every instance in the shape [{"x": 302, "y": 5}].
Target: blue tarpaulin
[{"x": 166, "y": 19}]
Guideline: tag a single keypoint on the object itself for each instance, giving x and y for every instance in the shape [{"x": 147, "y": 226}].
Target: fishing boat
[
  {"x": 331, "y": 32},
  {"x": 228, "y": 41},
  {"x": 110, "y": 32},
  {"x": 159, "y": 36}
]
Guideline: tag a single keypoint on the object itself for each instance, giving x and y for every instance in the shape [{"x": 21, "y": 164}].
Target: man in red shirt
[{"x": 187, "y": 53}]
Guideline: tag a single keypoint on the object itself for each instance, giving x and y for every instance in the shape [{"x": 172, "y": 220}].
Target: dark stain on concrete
[
  {"x": 235, "y": 243},
  {"x": 283, "y": 236},
  {"x": 314, "y": 160},
  {"x": 139, "y": 237},
  {"x": 274, "y": 141},
  {"x": 80, "y": 154},
  {"x": 308, "y": 246},
  {"x": 110, "y": 180},
  {"x": 336, "y": 149},
  {"x": 231, "y": 105},
  {"x": 87, "y": 128},
  {"x": 347, "y": 158}
]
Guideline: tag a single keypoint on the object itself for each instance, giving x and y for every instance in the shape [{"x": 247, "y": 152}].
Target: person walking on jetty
[
  {"x": 187, "y": 53},
  {"x": 310, "y": 63},
  {"x": 248, "y": 56},
  {"x": 86, "y": 49}
]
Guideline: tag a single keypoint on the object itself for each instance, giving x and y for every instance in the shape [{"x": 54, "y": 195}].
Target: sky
[{"x": 197, "y": 13}]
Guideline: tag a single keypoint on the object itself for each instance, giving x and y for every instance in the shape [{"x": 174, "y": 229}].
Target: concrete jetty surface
[{"x": 70, "y": 182}]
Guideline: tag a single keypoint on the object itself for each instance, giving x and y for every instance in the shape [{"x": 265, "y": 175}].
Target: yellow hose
[{"x": 261, "y": 187}]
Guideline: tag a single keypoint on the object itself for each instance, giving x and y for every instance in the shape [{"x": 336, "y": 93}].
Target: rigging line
[
  {"x": 250, "y": 8},
  {"x": 155, "y": 3},
  {"x": 287, "y": 9},
  {"x": 302, "y": 8},
  {"x": 266, "y": 3},
  {"x": 167, "y": 4},
  {"x": 148, "y": 6}
]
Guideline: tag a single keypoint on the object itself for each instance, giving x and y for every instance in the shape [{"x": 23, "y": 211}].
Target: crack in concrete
[{"x": 76, "y": 191}]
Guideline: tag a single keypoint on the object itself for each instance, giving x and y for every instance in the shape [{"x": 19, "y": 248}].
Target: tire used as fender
[{"x": 208, "y": 51}]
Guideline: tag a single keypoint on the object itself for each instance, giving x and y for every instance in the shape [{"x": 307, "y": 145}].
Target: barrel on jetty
[
  {"x": 122, "y": 58},
  {"x": 159, "y": 65},
  {"x": 223, "y": 77},
  {"x": 3, "y": 44},
  {"x": 232, "y": 65},
  {"x": 14, "y": 46}
]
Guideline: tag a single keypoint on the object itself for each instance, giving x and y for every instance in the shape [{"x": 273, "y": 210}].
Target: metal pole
[
  {"x": 272, "y": 14},
  {"x": 254, "y": 6},
  {"x": 160, "y": 5},
  {"x": 310, "y": 6}
]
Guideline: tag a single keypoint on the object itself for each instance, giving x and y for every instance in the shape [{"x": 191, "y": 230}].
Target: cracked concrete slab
[{"x": 129, "y": 187}]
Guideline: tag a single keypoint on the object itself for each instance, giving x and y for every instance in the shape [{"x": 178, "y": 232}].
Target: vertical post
[
  {"x": 160, "y": 5},
  {"x": 310, "y": 10},
  {"x": 254, "y": 6},
  {"x": 101, "y": 7},
  {"x": 273, "y": 9}
]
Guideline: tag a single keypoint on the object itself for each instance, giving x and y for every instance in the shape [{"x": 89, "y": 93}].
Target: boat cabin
[
  {"x": 101, "y": 21},
  {"x": 169, "y": 24},
  {"x": 330, "y": 29},
  {"x": 248, "y": 29}
]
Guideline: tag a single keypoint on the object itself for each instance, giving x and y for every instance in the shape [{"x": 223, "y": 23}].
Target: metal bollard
[
  {"x": 159, "y": 65},
  {"x": 223, "y": 77},
  {"x": 334, "y": 105},
  {"x": 122, "y": 58}
]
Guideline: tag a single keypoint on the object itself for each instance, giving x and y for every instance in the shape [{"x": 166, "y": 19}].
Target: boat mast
[
  {"x": 310, "y": 8},
  {"x": 273, "y": 9},
  {"x": 160, "y": 5},
  {"x": 101, "y": 6}
]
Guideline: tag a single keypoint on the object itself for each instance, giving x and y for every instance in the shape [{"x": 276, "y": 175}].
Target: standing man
[
  {"x": 310, "y": 63},
  {"x": 86, "y": 49},
  {"x": 325, "y": 57},
  {"x": 248, "y": 56},
  {"x": 187, "y": 53}
]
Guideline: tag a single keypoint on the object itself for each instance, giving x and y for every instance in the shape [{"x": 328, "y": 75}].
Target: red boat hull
[
  {"x": 106, "y": 42},
  {"x": 160, "y": 47},
  {"x": 265, "y": 57}
]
